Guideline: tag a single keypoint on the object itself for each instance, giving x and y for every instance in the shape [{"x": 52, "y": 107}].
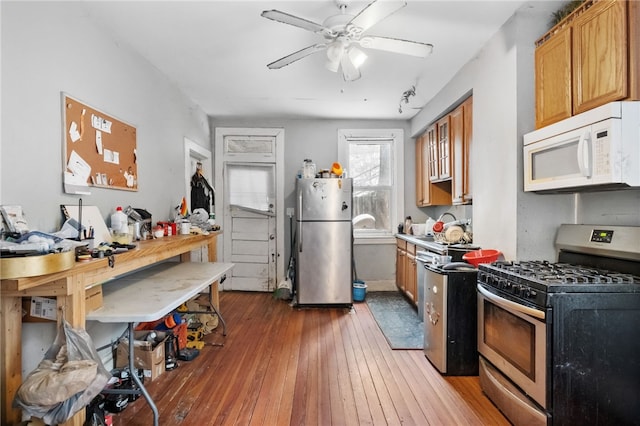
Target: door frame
[{"x": 278, "y": 134}]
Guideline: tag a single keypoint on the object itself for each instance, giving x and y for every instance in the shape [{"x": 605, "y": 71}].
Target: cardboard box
[
  {"x": 39, "y": 309},
  {"x": 93, "y": 298},
  {"x": 180, "y": 330},
  {"x": 150, "y": 359}
]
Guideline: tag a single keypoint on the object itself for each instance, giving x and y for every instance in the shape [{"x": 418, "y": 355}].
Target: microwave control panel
[{"x": 601, "y": 153}]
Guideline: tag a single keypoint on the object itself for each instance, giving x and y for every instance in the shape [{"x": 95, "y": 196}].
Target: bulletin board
[{"x": 99, "y": 150}]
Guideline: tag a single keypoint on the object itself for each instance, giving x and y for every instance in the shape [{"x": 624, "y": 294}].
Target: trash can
[{"x": 359, "y": 291}]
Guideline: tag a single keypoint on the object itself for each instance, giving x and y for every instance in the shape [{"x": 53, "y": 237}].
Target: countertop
[{"x": 428, "y": 243}]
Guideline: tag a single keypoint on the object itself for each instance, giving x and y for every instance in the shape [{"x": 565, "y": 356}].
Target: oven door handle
[{"x": 511, "y": 305}]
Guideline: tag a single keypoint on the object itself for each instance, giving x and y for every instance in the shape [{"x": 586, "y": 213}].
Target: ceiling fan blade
[
  {"x": 285, "y": 18},
  {"x": 295, "y": 56},
  {"x": 375, "y": 12},
  {"x": 349, "y": 70},
  {"x": 396, "y": 45}
]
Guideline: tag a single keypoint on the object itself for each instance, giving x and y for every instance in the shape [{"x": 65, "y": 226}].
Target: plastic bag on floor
[{"x": 69, "y": 376}]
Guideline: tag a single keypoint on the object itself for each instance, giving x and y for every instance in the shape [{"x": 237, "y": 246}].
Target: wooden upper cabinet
[
  {"x": 553, "y": 79},
  {"x": 460, "y": 141},
  {"x": 427, "y": 193},
  {"x": 590, "y": 58},
  {"x": 600, "y": 55}
]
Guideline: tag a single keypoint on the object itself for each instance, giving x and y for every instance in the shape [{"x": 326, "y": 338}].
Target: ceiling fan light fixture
[
  {"x": 349, "y": 71},
  {"x": 357, "y": 56},
  {"x": 335, "y": 51}
]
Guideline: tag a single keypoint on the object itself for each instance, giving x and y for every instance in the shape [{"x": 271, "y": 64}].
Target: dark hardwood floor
[{"x": 285, "y": 366}]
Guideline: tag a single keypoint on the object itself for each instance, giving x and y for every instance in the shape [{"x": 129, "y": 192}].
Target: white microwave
[{"x": 596, "y": 150}]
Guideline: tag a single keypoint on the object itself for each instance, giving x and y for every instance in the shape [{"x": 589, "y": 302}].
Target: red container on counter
[
  {"x": 477, "y": 257},
  {"x": 169, "y": 226}
]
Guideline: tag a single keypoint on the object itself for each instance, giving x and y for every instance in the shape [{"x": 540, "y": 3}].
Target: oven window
[{"x": 511, "y": 337}]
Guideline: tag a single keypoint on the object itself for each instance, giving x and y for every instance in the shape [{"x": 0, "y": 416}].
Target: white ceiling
[{"x": 217, "y": 53}]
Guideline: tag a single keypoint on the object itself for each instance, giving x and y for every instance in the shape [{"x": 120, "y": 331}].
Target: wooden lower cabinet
[{"x": 406, "y": 269}]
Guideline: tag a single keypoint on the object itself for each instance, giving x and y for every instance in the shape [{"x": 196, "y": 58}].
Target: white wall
[{"x": 52, "y": 48}]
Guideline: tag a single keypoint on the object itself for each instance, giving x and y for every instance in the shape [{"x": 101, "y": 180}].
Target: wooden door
[
  {"x": 553, "y": 87},
  {"x": 253, "y": 225},
  {"x": 250, "y": 205},
  {"x": 600, "y": 55}
]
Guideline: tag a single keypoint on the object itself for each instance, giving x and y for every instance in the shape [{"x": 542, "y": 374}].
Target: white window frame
[{"x": 396, "y": 136}]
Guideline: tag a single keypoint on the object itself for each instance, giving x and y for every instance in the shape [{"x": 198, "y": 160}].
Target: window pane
[
  {"x": 251, "y": 186},
  {"x": 370, "y": 164},
  {"x": 373, "y": 202}
]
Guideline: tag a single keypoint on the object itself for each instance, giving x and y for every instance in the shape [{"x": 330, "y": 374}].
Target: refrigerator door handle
[{"x": 300, "y": 222}]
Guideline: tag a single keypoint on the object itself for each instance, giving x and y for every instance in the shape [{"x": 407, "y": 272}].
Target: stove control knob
[{"x": 532, "y": 294}]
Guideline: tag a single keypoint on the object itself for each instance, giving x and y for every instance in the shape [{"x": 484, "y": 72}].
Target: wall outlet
[{"x": 290, "y": 211}]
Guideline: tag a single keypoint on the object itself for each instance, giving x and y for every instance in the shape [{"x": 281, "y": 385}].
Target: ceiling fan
[{"x": 344, "y": 34}]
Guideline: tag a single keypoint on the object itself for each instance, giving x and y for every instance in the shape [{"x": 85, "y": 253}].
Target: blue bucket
[{"x": 359, "y": 291}]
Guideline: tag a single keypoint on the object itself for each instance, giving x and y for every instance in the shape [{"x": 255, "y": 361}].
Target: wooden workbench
[{"x": 69, "y": 288}]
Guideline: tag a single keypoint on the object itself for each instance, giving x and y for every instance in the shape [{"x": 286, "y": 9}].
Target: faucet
[{"x": 444, "y": 214}]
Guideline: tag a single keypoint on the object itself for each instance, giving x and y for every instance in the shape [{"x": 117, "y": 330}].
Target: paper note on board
[
  {"x": 73, "y": 132},
  {"x": 79, "y": 167},
  {"x": 99, "y": 141}
]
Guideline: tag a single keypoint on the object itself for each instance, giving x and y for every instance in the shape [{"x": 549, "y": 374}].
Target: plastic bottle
[
  {"x": 407, "y": 225},
  {"x": 119, "y": 222},
  {"x": 308, "y": 169}
]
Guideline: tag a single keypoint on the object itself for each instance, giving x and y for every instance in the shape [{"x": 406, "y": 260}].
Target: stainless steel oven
[
  {"x": 512, "y": 337},
  {"x": 559, "y": 342}
]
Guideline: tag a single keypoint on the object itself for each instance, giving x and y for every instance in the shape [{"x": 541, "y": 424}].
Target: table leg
[
  {"x": 213, "y": 306},
  {"x": 11, "y": 356},
  {"x": 137, "y": 380}
]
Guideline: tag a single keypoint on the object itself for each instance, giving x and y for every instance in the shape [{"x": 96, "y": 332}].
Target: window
[{"x": 374, "y": 159}]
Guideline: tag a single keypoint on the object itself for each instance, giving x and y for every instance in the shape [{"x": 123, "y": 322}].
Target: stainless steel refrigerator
[{"x": 323, "y": 241}]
